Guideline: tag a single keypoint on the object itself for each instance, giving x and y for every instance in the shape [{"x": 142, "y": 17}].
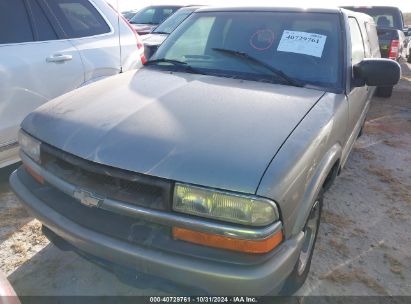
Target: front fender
[
  {"x": 314, "y": 187},
  {"x": 298, "y": 171}
]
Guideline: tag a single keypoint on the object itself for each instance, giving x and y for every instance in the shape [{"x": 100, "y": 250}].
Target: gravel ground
[{"x": 363, "y": 247}]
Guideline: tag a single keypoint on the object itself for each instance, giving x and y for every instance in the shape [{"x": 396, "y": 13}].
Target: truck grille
[{"x": 108, "y": 182}]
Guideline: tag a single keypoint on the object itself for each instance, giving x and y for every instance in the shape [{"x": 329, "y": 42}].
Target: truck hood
[{"x": 204, "y": 130}]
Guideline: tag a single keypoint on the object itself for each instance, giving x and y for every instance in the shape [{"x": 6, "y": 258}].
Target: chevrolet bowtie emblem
[{"x": 87, "y": 198}]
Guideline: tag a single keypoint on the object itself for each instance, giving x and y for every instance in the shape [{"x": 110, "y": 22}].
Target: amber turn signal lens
[
  {"x": 36, "y": 176},
  {"x": 219, "y": 241}
]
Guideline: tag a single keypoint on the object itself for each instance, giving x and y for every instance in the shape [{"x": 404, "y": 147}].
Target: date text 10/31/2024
[{"x": 204, "y": 299}]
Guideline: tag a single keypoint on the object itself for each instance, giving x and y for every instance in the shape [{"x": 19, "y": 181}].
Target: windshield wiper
[
  {"x": 177, "y": 63},
  {"x": 172, "y": 61},
  {"x": 144, "y": 23},
  {"x": 250, "y": 58},
  {"x": 161, "y": 33}
]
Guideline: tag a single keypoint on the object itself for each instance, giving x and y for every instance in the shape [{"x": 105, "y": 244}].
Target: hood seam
[{"x": 285, "y": 140}]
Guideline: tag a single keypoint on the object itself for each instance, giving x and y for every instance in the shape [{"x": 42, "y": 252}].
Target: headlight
[
  {"x": 30, "y": 146},
  {"x": 219, "y": 205}
]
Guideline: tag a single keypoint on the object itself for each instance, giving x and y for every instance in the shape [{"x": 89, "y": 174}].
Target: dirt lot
[{"x": 364, "y": 245}]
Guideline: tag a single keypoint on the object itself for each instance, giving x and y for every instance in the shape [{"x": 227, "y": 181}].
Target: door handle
[{"x": 59, "y": 58}]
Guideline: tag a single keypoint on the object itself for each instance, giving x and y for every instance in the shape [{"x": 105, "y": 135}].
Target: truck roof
[
  {"x": 270, "y": 8},
  {"x": 371, "y": 6},
  {"x": 330, "y": 10}
]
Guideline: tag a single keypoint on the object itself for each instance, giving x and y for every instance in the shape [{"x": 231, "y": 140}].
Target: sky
[{"x": 404, "y": 5}]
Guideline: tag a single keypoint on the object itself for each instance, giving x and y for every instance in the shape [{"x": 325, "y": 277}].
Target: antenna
[{"x": 119, "y": 37}]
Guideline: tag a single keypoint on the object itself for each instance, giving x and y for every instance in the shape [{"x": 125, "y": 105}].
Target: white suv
[{"x": 50, "y": 47}]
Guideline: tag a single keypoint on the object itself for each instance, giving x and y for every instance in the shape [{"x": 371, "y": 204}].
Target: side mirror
[{"x": 377, "y": 72}]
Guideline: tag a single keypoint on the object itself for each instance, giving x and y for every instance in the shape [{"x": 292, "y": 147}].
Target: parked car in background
[
  {"x": 392, "y": 43},
  {"x": 391, "y": 34},
  {"x": 50, "y": 47},
  {"x": 150, "y": 17},
  {"x": 129, "y": 14},
  {"x": 408, "y": 36},
  {"x": 208, "y": 165},
  {"x": 153, "y": 40}
]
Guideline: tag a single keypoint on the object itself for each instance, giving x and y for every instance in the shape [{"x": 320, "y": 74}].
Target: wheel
[
  {"x": 361, "y": 132},
  {"x": 300, "y": 272},
  {"x": 384, "y": 92},
  {"x": 409, "y": 57}
]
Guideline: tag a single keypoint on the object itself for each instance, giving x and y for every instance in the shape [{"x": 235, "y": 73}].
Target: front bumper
[{"x": 212, "y": 276}]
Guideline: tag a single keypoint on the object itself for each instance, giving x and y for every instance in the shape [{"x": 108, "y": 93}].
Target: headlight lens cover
[
  {"x": 225, "y": 206},
  {"x": 30, "y": 146}
]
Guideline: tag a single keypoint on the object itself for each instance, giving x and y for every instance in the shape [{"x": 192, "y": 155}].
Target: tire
[
  {"x": 409, "y": 57},
  {"x": 301, "y": 269},
  {"x": 384, "y": 92},
  {"x": 361, "y": 130}
]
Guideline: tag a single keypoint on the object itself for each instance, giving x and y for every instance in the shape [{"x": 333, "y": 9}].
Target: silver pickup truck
[{"x": 208, "y": 166}]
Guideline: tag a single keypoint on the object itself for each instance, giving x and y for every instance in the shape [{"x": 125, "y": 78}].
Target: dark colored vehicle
[
  {"x": 391, "y": 34},
  {"x": 384, "y": 16},
  {"x": 153, "y": 40},
  {"x": 147, "y": 19},
  {"x": 390, "y": 46},
  {"x": 129, "y": 14}
]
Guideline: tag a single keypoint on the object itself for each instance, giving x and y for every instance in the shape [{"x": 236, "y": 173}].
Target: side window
[
  {"x": 366, "y": 40},
  {"x": 162, "y": 14},
  {"x": 194, "y": 40},
  {"x": 357, "y": 44},
  {"x": 42, "y": 27},
  {"x": 384, "y": 20},
  {"x": 373, "y": 38},
  {"x": 147, "y": 16},
  {"x": 78, "y": 18},
  {"x": 15, "y": 22},
  {"x": 167, "y": 13}
]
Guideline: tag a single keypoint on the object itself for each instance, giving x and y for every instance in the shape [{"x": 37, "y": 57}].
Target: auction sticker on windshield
[{"x": 302, "y": 43}]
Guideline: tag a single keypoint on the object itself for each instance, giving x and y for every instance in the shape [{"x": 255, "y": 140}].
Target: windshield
[
  {"x": 171, "y": 23},
  {"x": 128, "y": 15},
  {"x": 281, "y": 47},
  {"x": 153, "y": 15},
  {"x": 383, "y": 16}
]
